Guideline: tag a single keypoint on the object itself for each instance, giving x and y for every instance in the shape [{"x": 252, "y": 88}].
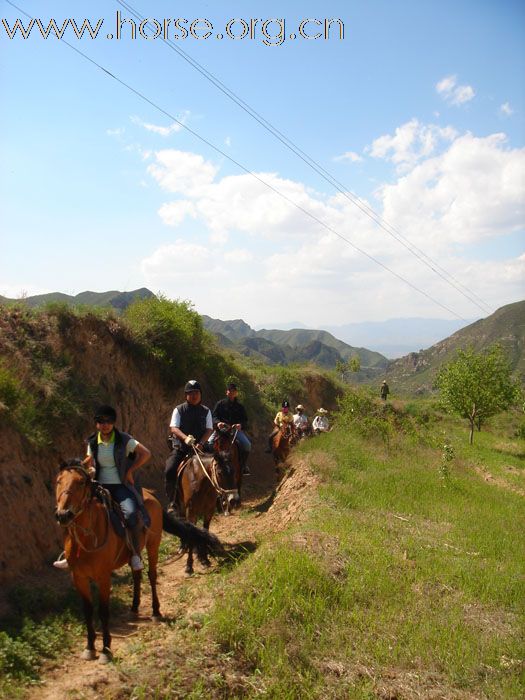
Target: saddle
[{"x": 116, "y": 516}]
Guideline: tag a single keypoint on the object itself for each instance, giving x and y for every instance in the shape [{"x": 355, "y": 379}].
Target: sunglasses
[{"x": 104, "y": 421}]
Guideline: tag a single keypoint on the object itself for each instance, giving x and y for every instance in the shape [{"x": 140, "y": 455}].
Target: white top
[
  {"x": 321, "y": 423},
  {"x": 300, "y": 420},
  {"x": 175, "y": 419},
  {"x": 108, "y": 472}
]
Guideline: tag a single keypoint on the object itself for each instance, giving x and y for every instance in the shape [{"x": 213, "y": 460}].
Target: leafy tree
[
  {"x": 341, "y": 367},
  {"x": 354, "y": 363},
  {"x": 477, "y": 385}
]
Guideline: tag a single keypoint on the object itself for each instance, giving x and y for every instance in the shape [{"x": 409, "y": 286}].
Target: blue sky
[{"x": 419, "y": 111}]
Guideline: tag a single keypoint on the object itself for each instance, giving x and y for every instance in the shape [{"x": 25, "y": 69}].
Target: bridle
[{"x": 72, "y": 526}]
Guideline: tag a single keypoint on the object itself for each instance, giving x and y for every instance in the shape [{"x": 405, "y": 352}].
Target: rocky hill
[
  {"x": 287, "y": 347},
  {"x": 113, "y": 299},
  {"x": 416, "y": 371}
]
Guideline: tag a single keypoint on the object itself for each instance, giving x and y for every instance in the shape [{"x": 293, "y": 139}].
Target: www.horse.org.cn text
[{"x": 270, "y": 32}]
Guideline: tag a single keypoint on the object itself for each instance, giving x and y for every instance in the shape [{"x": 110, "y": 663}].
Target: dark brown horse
[
  {"x": 93, "y": 549},
  {"x": 224, "y": 442},
  {"x": 203, "y": 479},
  {"x": 282, "y": 443}
]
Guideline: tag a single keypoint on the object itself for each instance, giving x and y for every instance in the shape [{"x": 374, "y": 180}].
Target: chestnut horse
[
  {"x": 282, "y": 443},
  {"x": 224, "y": 441},
  {"x": 93, "y": 549},
  {"x": 204, "y": 478}
]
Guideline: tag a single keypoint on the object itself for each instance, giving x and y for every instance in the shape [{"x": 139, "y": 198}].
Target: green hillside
[
  {"x": 114, "y": 299},
  {"x": 506, "y": 326}
]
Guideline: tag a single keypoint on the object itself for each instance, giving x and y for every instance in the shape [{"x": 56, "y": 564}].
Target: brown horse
[
  {"x": 93, "y": 549},
  {"x": 203, "y": 479},
  {"x": 224, "y": 442},
  {"x": 282, "y": 443}
]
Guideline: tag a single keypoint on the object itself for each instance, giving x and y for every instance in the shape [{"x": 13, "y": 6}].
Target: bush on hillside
[{"x": 170, "y": 331}]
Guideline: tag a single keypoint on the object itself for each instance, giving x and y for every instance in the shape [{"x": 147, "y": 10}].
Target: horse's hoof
[
  {"x": 206, "y": 563},
  {"x": 156, "y": 618},
  {"x": 88, "y": 655},
  {"x": 105, "y": 656},
  {"x": 188, "y": 572}
]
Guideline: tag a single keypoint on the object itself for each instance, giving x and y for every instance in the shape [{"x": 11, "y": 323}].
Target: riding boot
[
  {"x": 243, "y": 458},
  {"x": 172, "y": 500}
]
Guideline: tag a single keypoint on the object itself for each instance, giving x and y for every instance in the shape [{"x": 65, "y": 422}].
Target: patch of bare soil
[{"x": 269, "y": 505}]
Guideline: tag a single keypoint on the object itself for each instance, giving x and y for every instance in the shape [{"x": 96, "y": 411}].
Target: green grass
[{"x": 399, "y": 580}]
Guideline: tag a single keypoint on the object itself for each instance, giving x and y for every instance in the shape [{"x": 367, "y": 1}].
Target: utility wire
[
  {"x": 249, "y": 172},
  {"x": 314, "y": 165}
]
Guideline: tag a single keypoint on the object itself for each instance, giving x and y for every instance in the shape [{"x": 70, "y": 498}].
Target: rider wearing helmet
[
  {"x": 283, "y": 417},
  {"x": 112, "y": 459},
  {"x": 190, "y": 427},
  {"x": 229, "y": 413}
]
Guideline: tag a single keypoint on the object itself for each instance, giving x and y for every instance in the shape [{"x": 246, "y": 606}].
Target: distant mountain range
[
  {"x": 289, "y": 346},
  {"x": 114, "y": 299},
  {"x": 416, "y": 371}
]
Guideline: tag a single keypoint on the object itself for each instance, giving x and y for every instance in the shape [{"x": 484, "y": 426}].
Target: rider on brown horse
[
  {"x": 191, "y": 426},
  {"x": 283, "y": 417},
  {"x": 229, "y": 413},
  {"x": 112, "y": 459}
]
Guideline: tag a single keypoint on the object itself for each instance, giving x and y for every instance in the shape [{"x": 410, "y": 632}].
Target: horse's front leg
[
  {"x": 153, "y": 556},
  {"x": 137, "y": 581},
  {"x": 202, "y": 554},
  {"x": 104, "y": 587},
  {"x": 82, "y": 585}
]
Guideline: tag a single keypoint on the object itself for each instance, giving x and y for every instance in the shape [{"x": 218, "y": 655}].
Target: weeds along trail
[{"x": 268, "y": 506}]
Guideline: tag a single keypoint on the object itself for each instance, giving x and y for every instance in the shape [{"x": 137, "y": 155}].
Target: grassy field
[{"x": 407, "y": 579}]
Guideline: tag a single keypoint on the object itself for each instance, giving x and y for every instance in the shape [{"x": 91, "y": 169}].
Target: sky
[{"x": 155, "y": 178}]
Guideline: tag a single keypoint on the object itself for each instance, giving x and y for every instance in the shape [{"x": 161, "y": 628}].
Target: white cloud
[
  {"x": 164, "y": 131},
  {"x": 454, "y": 191},
  {"x": 453, "y": 93},
  {"x": 182, "y": 172},
  {"x": 506, "y": 109},
  {"x": 352, "y": 156},
  {"x": 411, "y": 142}
]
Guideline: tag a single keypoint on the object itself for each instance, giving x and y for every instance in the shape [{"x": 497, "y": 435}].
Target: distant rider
[
  {"x": 230, "y": 413},
  {"x": 283, "y": 417},
  {"x": 300, "y": 421},
  {"x": 191, "y": 426},
  {"x": 320, "y": 423}
]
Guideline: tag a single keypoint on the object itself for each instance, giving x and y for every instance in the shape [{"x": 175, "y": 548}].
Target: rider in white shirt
[
  {"x": 320, "y": 423},
  {"x": 300, "y": 420}
]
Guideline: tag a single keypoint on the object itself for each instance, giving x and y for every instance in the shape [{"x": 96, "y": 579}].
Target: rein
[
  {"x": 213, "y": 479},
  {"x": 73, "y": 526}
]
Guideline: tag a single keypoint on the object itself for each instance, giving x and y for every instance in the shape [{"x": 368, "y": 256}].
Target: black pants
[{"x": 170, "y": 471}]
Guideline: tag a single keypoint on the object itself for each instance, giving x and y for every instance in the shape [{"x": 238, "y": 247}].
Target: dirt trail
[{"x": 268, "y": 505}]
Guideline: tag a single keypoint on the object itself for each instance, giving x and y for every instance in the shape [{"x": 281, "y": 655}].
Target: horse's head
[
  {"x": 224, "y": 439},
  {"x": 228, "y": 477},
  {"x": 73, "y": 490}
]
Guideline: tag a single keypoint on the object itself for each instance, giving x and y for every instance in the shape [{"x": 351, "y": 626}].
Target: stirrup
[{"x": 61, "y": 562}]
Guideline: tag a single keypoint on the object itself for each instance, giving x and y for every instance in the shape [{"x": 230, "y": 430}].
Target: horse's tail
[{"x": 191, "y": 535}]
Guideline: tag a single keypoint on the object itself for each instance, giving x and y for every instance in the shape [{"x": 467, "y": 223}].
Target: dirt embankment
[{"x": 110, "y": 370}]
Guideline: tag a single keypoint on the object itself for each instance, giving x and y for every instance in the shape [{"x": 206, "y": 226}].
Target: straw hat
[
  {"x": 299, "y": 406},
  {"x": 322, "y": 410}
]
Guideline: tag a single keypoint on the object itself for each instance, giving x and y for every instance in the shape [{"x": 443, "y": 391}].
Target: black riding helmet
[
  {"x": 105, "y": 411},
  {"x": 192, "y": 385},
  {"x": 285, "y": 404}
]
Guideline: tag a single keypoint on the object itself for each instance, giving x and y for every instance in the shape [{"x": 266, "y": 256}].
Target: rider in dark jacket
[{"x": 229, "y": 412}]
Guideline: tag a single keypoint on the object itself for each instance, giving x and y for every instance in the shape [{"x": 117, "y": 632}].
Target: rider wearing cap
[
  {"x": 229, "y": 413},
  {"x": 283, "y": 417},
  {"x": 300, "y": 420},
  {"x": 191, "y": 426},
  {"x": 320, "y": 423}
]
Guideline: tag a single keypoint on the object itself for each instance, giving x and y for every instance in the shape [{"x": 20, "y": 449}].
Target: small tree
[
  {"x": 354, "y": 363},
  {"x": 477, "y": 385},
  {"x": 341, "y": 368}
]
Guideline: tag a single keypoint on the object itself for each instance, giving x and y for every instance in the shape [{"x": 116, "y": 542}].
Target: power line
[
  {"x": 249, "y": 172},
  {"x": 320, "y": 170}
]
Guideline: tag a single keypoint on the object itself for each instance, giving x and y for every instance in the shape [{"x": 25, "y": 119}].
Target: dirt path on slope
[{"x": 269, "y": 504}]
